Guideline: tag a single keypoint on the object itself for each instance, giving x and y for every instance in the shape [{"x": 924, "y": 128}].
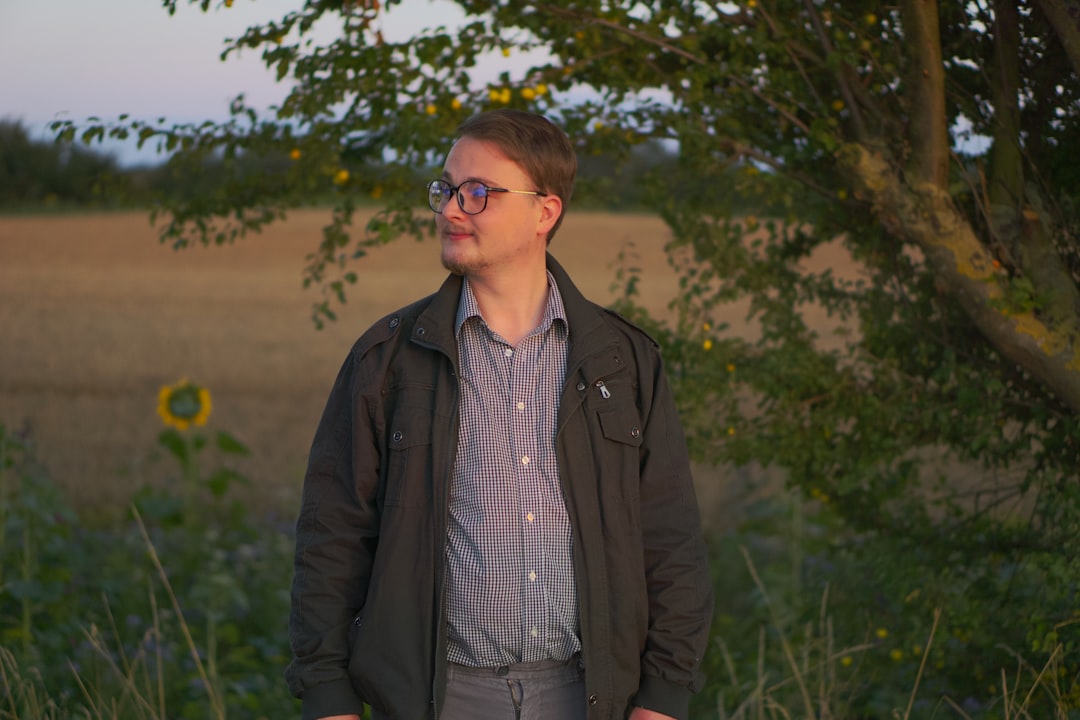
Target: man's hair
[{"x": 536, "y": 144}]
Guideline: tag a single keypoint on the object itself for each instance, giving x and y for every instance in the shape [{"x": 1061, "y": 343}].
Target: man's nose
[{"x": 453, "y": 207}]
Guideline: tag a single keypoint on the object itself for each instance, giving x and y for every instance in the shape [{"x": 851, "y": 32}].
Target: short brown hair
[{"x": 536, "y": 144}]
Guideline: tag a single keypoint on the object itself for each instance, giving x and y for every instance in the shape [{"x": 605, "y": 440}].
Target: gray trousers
[{"x": 529, "y": 691}]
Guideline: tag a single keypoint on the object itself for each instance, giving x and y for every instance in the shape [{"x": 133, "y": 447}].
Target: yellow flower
[
  {"x": 916, "y": 650},
  {"x": 837, "y": 105},
  {"x": 341, "y": 177},
  {"x": 506, "y": 52},
  {"x": 882, "y": 633},
  {"x": 528, "y": 93},
  {"x": 228, "y": 3},
  {"x": 183, "y": 404},
  {"x": 751, "y": 4},
  {"x": 541, "y": 89},
  {"x": 504, "y": 96},
  {"x": 376, "y": 192},
  {"x": 871, "y": 19},
  {"x": 847, "y": 660},
  {"x": 430, "y": 109},
  {"x": 751, "y": 222},
  {"x": 842, "y": 194},
  {"x": 579, "y": 35},
  {"x": 707, "y": 326},
  {"x": 455, "y": 104},
  {"x": 494, "y": 95},
  {"x": 731, "y": 367},
  {"x": 731, "y": 431},
  {"x": 294, "y": 154},
  {"x": 897, "y": 655},
  {"x": 707, "y": 344}
]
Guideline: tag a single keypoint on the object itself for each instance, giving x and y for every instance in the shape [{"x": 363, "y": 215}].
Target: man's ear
[{"x": 549, "y": 214}]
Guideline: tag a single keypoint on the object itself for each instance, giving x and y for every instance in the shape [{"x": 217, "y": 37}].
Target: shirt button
[
  {"x": 525, "y": 460},
  {"x": 530, "y": 517},
  {"x": 532, "y": 576},
  {"x": 580, "y": 386},
  {"x": 593, "y": 699},
  {"x": 635, "y": 431},
  {"x": 508, "y": 352},
  {"x": 534, "y": 632},
  {"x": 521, "y": 406}
]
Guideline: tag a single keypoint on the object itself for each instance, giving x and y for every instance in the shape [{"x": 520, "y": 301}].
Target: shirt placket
[{"x": 524, "y": 371}]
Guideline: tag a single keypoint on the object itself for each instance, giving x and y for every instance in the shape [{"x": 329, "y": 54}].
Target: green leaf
[
  {"x": 229, "y": 444},
  {"x": 174, "y": 442},
  {"x": 218, "y": 483}
]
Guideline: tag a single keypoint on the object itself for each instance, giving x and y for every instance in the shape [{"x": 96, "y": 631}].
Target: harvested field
[{"x": 96, "y": 315}]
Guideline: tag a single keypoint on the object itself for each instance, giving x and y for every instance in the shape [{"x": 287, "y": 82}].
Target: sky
[{"x": 72, "y": 59}]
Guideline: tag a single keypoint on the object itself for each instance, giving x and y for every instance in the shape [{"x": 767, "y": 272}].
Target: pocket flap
[{"x": 621, "y": 426}]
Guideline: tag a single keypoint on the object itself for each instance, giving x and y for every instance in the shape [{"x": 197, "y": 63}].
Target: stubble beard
[{"x": 456, "y": 264}]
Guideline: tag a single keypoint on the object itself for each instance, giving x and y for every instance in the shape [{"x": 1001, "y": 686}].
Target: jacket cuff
[
  {"x": 336, "y": 697},
  {"x": 662, "y": 696}
]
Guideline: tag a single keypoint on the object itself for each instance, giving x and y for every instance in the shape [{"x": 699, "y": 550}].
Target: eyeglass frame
[{"x": 455, "y": 193}]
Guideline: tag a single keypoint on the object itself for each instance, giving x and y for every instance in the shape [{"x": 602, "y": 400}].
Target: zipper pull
[{"x": 604, "y": 392}]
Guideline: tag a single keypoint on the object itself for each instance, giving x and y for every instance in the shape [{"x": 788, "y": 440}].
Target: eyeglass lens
[{"x": 471, "y": 194}]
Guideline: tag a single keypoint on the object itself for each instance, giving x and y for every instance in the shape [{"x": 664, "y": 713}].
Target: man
[{"x": 498, "y": 519}]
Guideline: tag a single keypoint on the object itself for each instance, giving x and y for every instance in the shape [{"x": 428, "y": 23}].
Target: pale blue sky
[{"x": 70, "y": 59}]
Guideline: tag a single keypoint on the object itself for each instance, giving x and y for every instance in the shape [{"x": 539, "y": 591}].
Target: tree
[
  {"x": 932, "y": 141},
  {"x": 42, "y": 173}
]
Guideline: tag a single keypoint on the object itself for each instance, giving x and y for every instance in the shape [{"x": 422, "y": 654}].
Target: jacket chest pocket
[
  {"x": 409, "y": 468},
  {"x": 623, "y": 435}
]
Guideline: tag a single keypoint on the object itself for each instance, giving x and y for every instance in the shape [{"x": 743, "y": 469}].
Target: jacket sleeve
[
  {"x": 676, "y": 568},
  {"x": 336, "y": 536}
]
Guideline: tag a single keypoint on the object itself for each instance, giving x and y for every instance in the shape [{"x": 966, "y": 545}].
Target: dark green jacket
[{"x": 367, "y": 623}]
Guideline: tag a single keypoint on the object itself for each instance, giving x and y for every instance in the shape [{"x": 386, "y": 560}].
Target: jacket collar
[{"x": 435, "y": 325}]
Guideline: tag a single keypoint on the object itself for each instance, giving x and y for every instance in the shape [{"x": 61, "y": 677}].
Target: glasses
[{"x": 472, "y": 195}]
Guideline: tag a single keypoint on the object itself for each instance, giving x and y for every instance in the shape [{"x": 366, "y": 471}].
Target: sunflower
[{"x": 183, "y": 404}]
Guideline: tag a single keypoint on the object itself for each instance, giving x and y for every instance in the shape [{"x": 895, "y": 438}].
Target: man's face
[{"x": 510, "y": 232}]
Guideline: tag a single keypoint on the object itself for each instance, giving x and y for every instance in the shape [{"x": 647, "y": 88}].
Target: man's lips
[{"x": 453, "y": 233}]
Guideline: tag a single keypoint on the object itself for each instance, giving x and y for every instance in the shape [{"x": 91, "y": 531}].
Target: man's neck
[{"x": 512, "y": 306}]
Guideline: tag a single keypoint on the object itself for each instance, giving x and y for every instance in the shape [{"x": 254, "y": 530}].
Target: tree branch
[
  {"x": 929, "y": 132},
  {"x": 843, "y": 72},
  {"x": 1064, "y": 17},
  {"x": 636, "y": 34},
  {"x": 924, "y": 213}
]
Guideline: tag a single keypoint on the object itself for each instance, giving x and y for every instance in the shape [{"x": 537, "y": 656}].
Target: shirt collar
[{"x": 554, "y": 310}]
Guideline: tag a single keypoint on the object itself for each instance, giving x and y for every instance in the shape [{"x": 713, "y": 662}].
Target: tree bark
[{"x": 1064, "y": 17}]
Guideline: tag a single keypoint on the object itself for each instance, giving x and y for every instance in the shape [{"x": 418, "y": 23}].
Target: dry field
[{"x": 96, "y": 315}]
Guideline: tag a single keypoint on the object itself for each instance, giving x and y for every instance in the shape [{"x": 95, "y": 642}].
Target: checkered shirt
[{"x": 511, "y": 592}]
